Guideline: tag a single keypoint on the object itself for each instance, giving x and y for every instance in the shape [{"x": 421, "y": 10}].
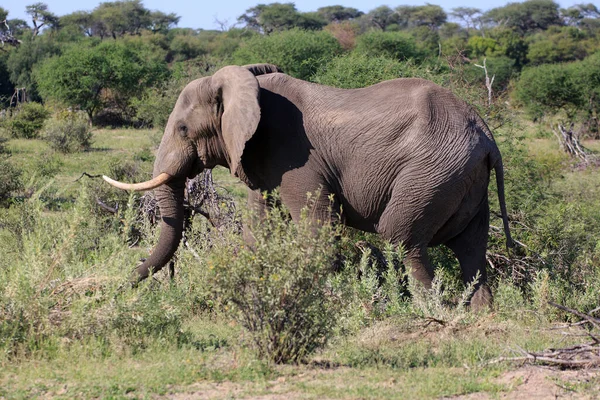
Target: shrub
[
  {"x": 69, "y": 132},
  {"x": 395, "y": 45},
  {"x": 27, "y": 120},
  {"x": 11, "y": 177},
  {"x": 155, "y": 104},
  {"x": 359, "y": 70},
  {"x": 549, "y": 88},
  {"x": 297, "y": 52},
  {"x": 279, "y": 290}
]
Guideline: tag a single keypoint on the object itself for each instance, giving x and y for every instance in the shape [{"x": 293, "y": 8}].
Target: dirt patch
[
  {"x": 531, "y": 382},
  {"x": 274, "y": 390}
]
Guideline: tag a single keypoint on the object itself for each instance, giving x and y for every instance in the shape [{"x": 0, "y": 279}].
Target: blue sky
[{"x": 202, "y": 14}]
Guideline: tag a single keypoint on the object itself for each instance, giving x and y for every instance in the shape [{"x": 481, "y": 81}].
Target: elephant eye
[{"x": 183, "y": 130}]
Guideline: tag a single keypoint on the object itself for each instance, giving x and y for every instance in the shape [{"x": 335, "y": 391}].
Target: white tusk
[{"x": 148, "y": 185}]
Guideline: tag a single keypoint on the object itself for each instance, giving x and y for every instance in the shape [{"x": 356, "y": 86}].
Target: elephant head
[{"x": 210, "y": 124}]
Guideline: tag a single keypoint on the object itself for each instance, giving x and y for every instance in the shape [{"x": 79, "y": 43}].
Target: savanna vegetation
[{"x": 90, "y": 92}]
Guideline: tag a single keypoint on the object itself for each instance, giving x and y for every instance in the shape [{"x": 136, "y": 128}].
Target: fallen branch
[{"x": 583, "y": 355}]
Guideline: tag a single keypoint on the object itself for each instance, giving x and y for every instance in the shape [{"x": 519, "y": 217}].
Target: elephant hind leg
[{"x": 470, "y": 247}]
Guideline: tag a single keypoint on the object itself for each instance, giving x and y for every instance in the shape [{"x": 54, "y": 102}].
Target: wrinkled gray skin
[{"x": 404, "y": 158}]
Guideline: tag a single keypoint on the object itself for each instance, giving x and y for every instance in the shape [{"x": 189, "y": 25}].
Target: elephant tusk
[{"x": 148, "y": 185}]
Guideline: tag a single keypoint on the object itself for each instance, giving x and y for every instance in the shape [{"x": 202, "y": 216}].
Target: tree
[
  {"x": 119, "y": 18},
  {"x": 558, "y": 44},
  {"x": 429, "y": 15},
  {"x": 40, "y": 17},
  {"x": 339, "y": 13},
  {"x": 161, "y": 22},
  {"x": 22, "y": 60},
  {"x": 82, "y": 21},
  {"x": 186, "y": 47},
  {"x": 526, "y": 17},
  {"x": 469, "y": 15},
  {"x": 269, "y": 18},
  {"x": 382, "y": 17},
  {"x": 574, "y": 15},
  {"x": 84, "y": 76}
]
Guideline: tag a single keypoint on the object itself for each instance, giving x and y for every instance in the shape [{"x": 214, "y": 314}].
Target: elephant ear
[
  {"x": 241, "y": 110},
  {"x": 262, "y": 69}
]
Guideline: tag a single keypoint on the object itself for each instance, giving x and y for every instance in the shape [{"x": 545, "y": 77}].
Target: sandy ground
[{"x": 527, "y": 382}]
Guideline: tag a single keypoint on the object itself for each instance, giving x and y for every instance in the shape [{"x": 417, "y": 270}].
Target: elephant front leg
[
  {"x": 258, "y": 203},
  {"x": 421, "y": 269}
]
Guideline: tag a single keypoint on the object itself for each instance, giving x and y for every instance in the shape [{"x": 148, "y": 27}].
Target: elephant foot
[{"x": 482, "y": 299}]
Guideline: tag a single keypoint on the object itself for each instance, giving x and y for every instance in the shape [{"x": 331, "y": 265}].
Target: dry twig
[{"x": 583, "y": 355}]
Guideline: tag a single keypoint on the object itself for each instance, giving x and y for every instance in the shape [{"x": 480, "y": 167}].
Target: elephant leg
[
  {"x": 470, "y": 247},
  {"x": 257, "y": 204},
  {"x": 421, "y": 269}
]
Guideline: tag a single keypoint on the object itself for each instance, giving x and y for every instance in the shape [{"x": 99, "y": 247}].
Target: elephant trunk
[{"x": 170, "y": 201}]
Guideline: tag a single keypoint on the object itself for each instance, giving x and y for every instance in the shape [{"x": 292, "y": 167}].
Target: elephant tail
[{"x": 499, "y": 170}]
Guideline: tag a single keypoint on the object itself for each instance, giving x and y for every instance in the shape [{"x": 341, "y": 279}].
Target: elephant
[{"x": 404, "y": 158}]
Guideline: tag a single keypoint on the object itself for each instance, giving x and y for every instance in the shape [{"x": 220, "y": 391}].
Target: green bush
[
  {"x": 69, "y": 132},
  {"x": 11, "y": 176},
  {"x": 155, "y": 104},
  {"x": 297, "y": 52},
  {"x": 26, "y": 121},
  {"x": 279, "y": 289},
  {"x": 394, "y": 45},
  {"x": 359, "y": 70},
  {"x": 549, "y": 88},
  {"x": 570, "y": 88}
]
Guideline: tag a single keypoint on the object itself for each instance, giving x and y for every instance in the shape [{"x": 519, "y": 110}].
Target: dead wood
[
  {"x": 584, "y": 355},
  {"x": 568, "y": 140}
]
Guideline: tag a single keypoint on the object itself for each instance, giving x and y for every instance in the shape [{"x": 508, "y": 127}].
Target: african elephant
[{"x": 404, "y": 158}]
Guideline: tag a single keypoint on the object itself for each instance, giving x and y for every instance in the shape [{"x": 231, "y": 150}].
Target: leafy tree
[
  {"x": 185, "y": 47},
  {"x": 453, "y": 30},
  {"x": 296, "y": 51},
  {"x": 18, "y": 27},
  {"x": 22, "y": 59},
  {"x": 119, "y": 18},
  {"x": 161, "y": 22},
  {"x": 339, "y": 13},
  {"x": 478, "y": 46},
  {"x": 382, "y": 17},
  {"x": 511, "y": 45},
  {"x": 81, "y": 21},
  {"x": 526, "y": 17},
  {"x": 469, "y": 15},
  {"x": 574, "y": 15},
  {"x": 558, "y": 44},
  {"x": 268, "y": 18},
  {"x": 40, "y": 17},
  {"x": 83, "y": 76},
  {"x": 429, "y": 15}
]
